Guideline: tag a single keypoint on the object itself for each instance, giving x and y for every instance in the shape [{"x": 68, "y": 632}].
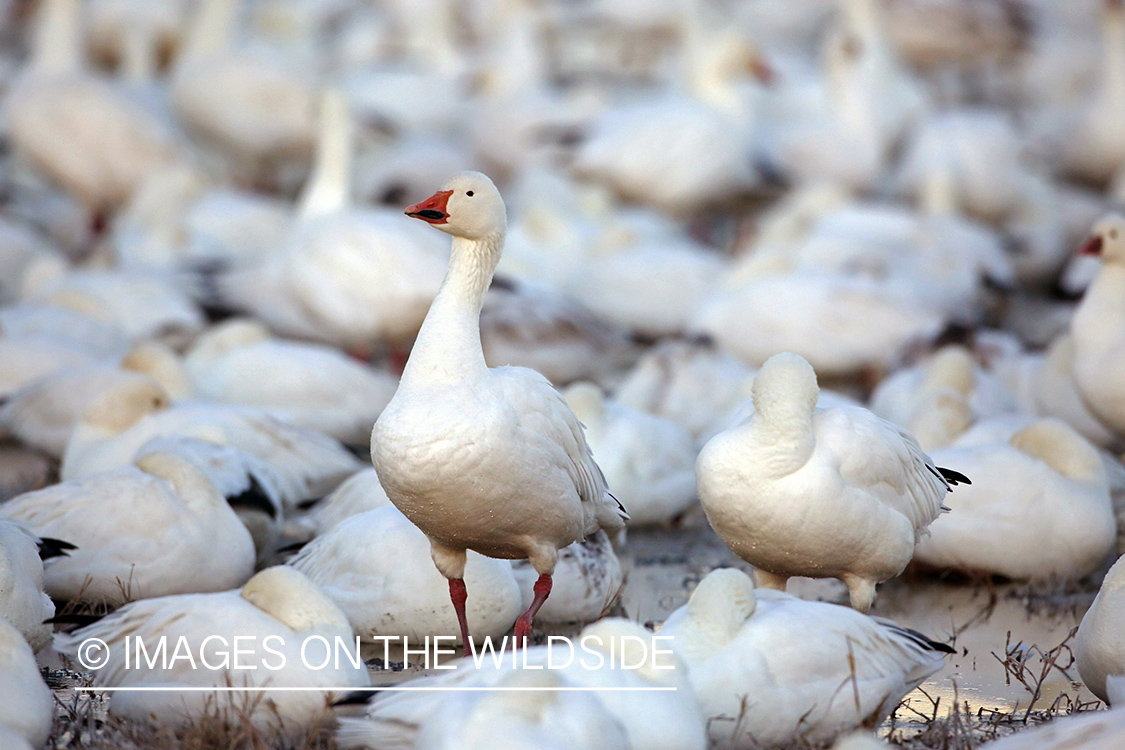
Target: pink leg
[
  {"x": 523, "y": 624},
  {"x": 459, "y": 595}
]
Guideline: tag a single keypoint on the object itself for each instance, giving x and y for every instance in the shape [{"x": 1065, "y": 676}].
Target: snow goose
[
  {"x": 658, "y": 720},
  {"x": 824, "y": 493},
  {"x": 842, "y": 324},
  {"x": 114, "y": 428},
  {"x": 81, "y": 131},
  {"x": 530, "y": 325},
  {"x": 695, "y": 145},
  {"x": 1087, "y": 730},
  {"x": 24, "y": 253},
  {"x": 64, "y": 325},
  {"x": 951, "y": 368},
  {"x": 353, "y": 277},
  {"x": 278, "y": 602},
  {"x": 23, "y": 604},
  {"x": 693, "y": 383},
  {"x": 1098, "y": 327},
  {"x": 140, "y": 305},
  {"x": 28, "y": 706},
  {"x": 43, "y": 413},
  {"x": 1094, "y": 147},
  {"x": 536, "y": 716},
  {"x": 26, "y": 359},
  {"x": 767, "y": 668},
  {"x": 358, "y": 493},
  {"x": 584, "y": 586},
  {"x": 459, "y": 440},
  {"x": 1039, "y": 509},
  {"x": 648, "y": 460},
  {"x": 376, "y": 567},
  {"x": 152, "y": 529},
  {"x": 259, "y": 113},
  {"x": 311, "y": 386},
  {"x": 1043, "y": 384},
  {"x": 1098, "y": 646}
]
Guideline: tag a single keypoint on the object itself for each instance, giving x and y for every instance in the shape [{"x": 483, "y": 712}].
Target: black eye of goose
[{"x": 469, "y": 193}]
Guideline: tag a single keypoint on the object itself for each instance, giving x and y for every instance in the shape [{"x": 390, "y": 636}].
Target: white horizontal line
[{"x": 388, "y": 688}]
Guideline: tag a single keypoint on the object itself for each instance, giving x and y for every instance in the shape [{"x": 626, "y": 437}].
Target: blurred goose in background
[
  {"x": 359, "y": 278},
  {"x": 660, "y": 720},
  {"x": 115, "y": 27},
  {"x": 1098, "y": 646},
  {"x": 1094, "y": 148},
  {"x": 694, "y": 146},
  {"x": 649, "y": 461},
  {"x": 376, "y": 566},
  {"x": 951, "y": 368},
  {"x": 358, "y": 493},
  {"x": 23, "y": 604},
  {"x": 1098, "y": 327},
  {"x": 1039, "y": 508},
  {"x": 517, "y": 445},
  {"x": 839, "y": 492},
  {"x": 83, "y": 132},
  {"x": 43, "y": 413},
  {"x": 26, "y": 359},
  {"x": 114, "y": 428},
  {"x": 693, "y": 383},
  {"x": 259, "y": 113},
  {"x": 278, "y": 602},
  {"x": 767, "y": 667},
  {"x": 141, "y": 305},
  {"x": 24, "y": 254},
  {"x": 314, "y": 387},
  {"x": 28, "y": 707},
  {"x": 1043, "y": 384},
  {"x": 152, "y": 529},
  {"x": 64, "y": 325},
  {"x": 539, "y": 718}
]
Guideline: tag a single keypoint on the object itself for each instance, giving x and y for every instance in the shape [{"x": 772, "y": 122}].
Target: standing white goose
[
  {"x": 825, "y": 493},
  {"x": 1099, "y": 645},
  {"x": 491, "y": 460},
  {"x": 1098, "y": 327}
]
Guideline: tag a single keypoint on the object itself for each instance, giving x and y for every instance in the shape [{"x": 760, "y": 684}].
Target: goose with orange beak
[
  {"x": 1098, "y": 327},
  {"x": 487, "y": 459}
]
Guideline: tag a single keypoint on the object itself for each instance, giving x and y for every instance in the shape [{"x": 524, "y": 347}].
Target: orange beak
[
  {"x": 433, "y": 209},
  {"x": 1092, "y": 246}
]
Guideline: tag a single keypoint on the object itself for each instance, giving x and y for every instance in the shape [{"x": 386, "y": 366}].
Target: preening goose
[
  {"x": 824, "y": 493},
  {"x": 767, "y": 668},
  {"x": 278, "y": 604},
  {"x": 491, "y": 460}
]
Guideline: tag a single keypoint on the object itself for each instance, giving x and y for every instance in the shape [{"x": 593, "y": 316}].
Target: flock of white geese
[{"x": 212, "y": 304}]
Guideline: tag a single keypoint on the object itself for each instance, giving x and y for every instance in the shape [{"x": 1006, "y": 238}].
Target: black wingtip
[
  {"x": 254, "y": 497},
  {"x": 953, "y": 477},
  {"x": 356, "y": 698},
  {"x": 49, "y": 548},
  {"x": 73, "y": 618}
]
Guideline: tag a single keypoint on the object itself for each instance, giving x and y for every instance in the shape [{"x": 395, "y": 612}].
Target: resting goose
[
  {"x": 1040, "y": 509},
  {"x": 28, "y": 706},
  {"x": 491, "y": 460},
  {"x": 375, "y": 566},
  {"x": 278, "y": 603},
  {"x": 23, "y": 604},
  {"x": 1098, "y": 327},
  {"x": 771, "y": 670},
  {"x": 824, "y": 493},
  {"x": 1099, "y": 645},
  {"x": 152, "y": 529},
  {"x": 310, "y": 385}
]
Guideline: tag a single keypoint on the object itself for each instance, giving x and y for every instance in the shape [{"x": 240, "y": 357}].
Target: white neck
[
  {"x": 1101, "y": 316},
  {"x": 211, "y": 30},
  {"x": 327, "y": 189},
  {"x": 448, "y": 347},
  {"x": 1113, "y": 56},
  {"x": 57, "y": 38}
]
